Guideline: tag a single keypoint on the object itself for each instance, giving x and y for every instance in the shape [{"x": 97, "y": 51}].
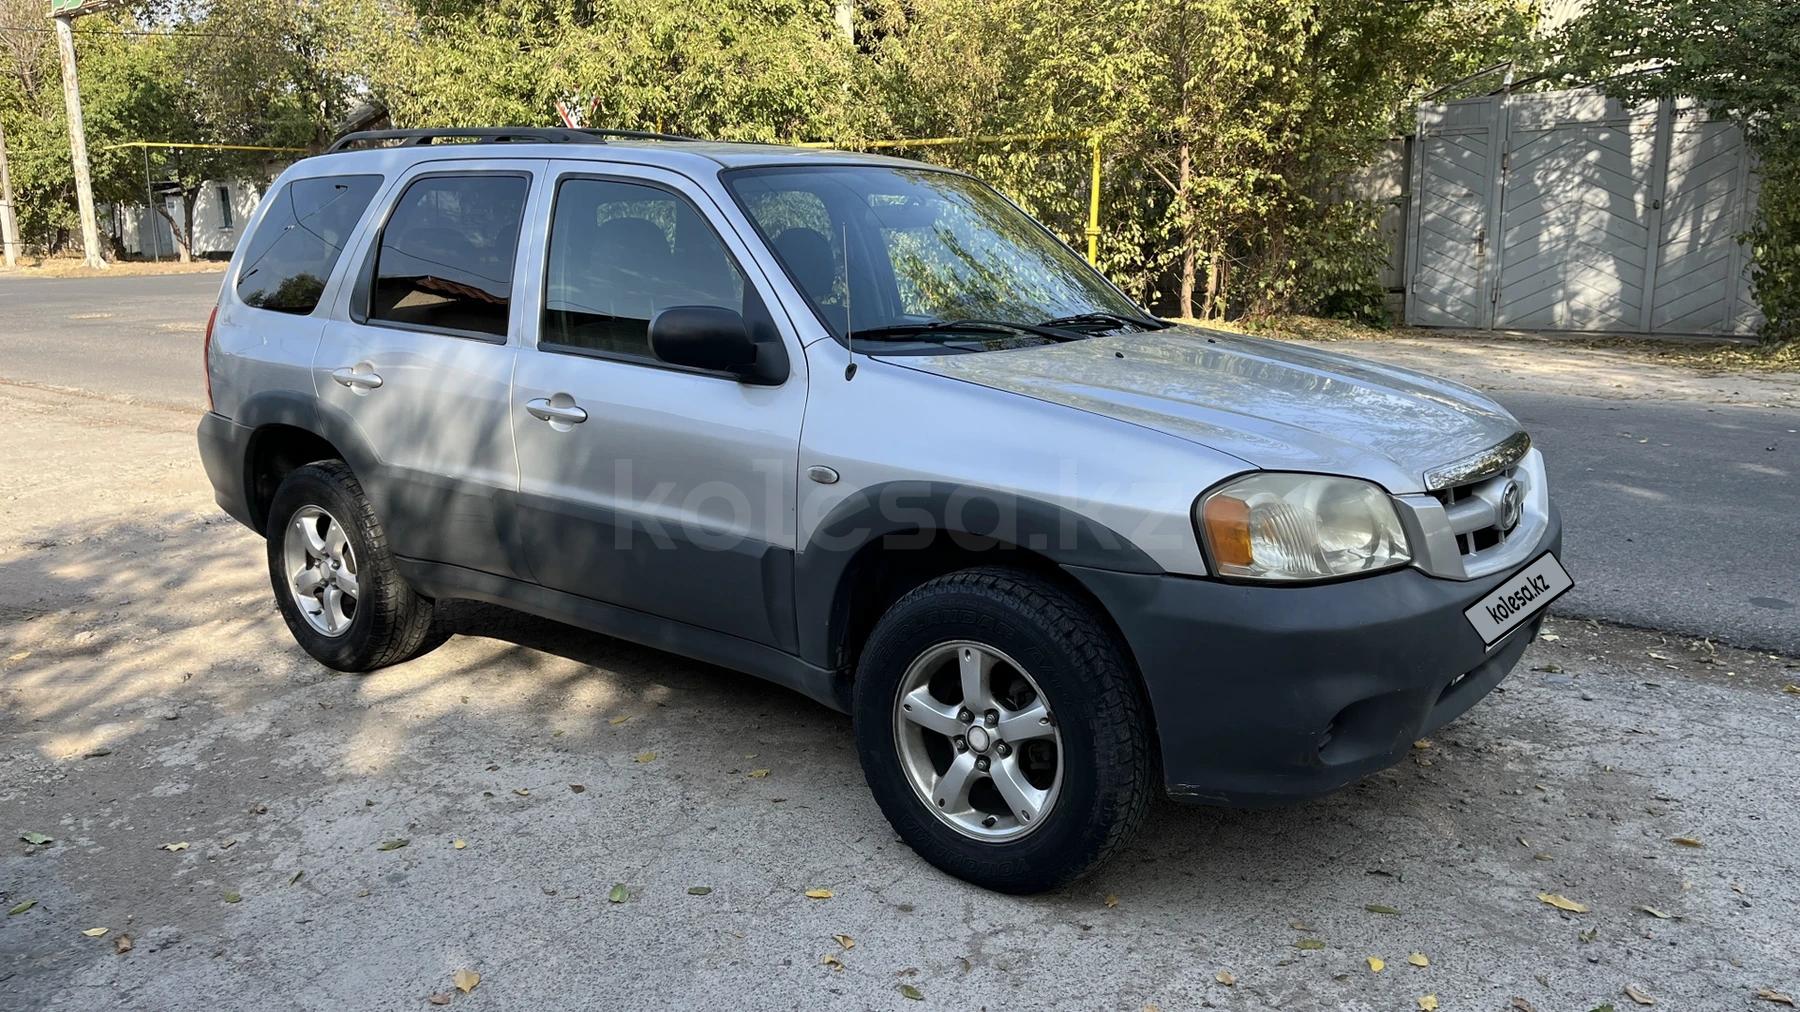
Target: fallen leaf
[
  {"x": 911, "y": 993},
  {"x": 1224, "y": 977},
  {"x": 95, "y": 753},
  {"x": 1589, "y": 935},
  {"x": 619, "y": 893},
  {"x": 1561, "y": 902},
  {"x": 620, "y": 719},
  {"x": 21, "y": 655},
  {"x": 1772, "y": 995},
  {"x": 1653, "y": 912},
  {"x": 232, "y": 897},
  {"x": 1608, "y": 1007},
  {"x": 1792, "y": 690},
  {"x": 1111, "y": 900},
  {"x": 699, "y": 890},
  {"x": 1300, "y": 925},
  {"x": 1377, "y": 908},
  {"x": 1657, "y": 657},
  {"x": 296, "y": 877},
  {"x": 95, "y": 932},
  {"x": 173, "y": 847},
  {"x": 1377, "y": 964},
  {"x": 1428, "y": 1003},
  {"x": 758, "y": 774},
  {"x": 1549, "y": 637},
  {"x": 644, "y": 757},
  {"x": 818, "y": 894},
  {"x": 36, "y": 839},
  {"x": 21, "y": 908},
  {"x": 844, "y": 941},
  {"x": 523, "y": 792},
  {"x": 441, "y": 998},
  {"x": 1638, "y": 995},
  {"x": 1686, "y": 841},
  {"x": 578, "y": 788},
  {"x": 459, "y": 844},
  {"x": 1423, "y": 744},
  {"x": 465, "y": 980},
  {"x": 1521, "y": 1005},
  {"x": 1419, "y": 959},
  {"x": 1309, "y": 944},
  {"x": 121, "y": 944},
  {"x": 394, "y": 844},
  {"x": 832, "y": 961}
]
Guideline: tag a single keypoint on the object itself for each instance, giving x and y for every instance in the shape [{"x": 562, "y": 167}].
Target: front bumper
[{"x": 1264, "y": 694}]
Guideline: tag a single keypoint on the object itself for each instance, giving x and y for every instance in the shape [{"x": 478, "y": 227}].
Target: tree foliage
[
  {"x": 1741, "y": 58},
  {"x": 1229, "y": 127}
]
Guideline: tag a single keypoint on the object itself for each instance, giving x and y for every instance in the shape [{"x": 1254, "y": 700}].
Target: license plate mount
[{"x": 1519, "y": 597}]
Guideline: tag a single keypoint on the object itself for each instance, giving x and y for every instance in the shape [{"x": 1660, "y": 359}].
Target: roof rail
[{"x": 495, "y": 135}]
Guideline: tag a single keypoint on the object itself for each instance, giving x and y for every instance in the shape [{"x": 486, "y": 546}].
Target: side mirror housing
[{"x": 703, "y": 337}]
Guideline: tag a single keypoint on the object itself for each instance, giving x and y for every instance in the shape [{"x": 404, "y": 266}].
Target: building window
[{"x": 225, "y": 207}]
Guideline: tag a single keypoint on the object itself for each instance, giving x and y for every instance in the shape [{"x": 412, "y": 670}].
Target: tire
[
  {"x": 1097, "y": 725},
  {"x": 383, "y": 622}
]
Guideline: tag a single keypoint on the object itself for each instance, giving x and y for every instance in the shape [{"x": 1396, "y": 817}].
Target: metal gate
[{"x": 1567, "y": 211}]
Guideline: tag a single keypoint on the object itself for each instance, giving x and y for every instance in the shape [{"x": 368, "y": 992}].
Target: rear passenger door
[
  {"x": 662, "y": 489},
  {"x": 417, "y": 360}
]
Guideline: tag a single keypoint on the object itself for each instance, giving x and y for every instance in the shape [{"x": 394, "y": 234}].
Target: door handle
[
  {"x": 356, "y": 380},
  {"x": 544, "y": 408}
]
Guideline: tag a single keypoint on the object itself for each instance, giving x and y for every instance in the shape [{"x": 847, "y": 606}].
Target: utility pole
[
  {"x": 9, "y": 223},
  {"x": 84, "y": 187}
]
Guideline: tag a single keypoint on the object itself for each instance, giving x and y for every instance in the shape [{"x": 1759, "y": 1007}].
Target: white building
[{"x": 220, "y": 211}]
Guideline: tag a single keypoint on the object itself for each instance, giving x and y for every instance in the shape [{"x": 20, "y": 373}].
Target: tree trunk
[{"x": 1210, "y": 307}]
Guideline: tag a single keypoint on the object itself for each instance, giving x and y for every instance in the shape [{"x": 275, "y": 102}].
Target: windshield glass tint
[{"x": 921, "y": 245}]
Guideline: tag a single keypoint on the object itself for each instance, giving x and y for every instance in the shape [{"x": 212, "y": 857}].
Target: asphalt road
[{"x": 1681, "y": 514}]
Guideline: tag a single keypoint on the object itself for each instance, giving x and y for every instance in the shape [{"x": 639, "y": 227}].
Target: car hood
[{"x": 1274, "y": 405}]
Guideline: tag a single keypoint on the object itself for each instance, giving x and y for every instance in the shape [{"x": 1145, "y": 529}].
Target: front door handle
[
  {"x": 356, "y": 380},
  {"x": 551, "y": 411}
]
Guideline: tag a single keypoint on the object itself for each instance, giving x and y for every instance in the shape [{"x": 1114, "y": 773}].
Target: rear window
[
  {"x": 446, "y": 256},
  {"x": 300, "y": 239}
]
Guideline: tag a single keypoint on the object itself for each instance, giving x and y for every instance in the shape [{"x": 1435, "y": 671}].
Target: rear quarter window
[{"x": 299, "y": 240}]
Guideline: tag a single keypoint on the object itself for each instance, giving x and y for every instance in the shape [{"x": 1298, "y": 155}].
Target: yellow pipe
[
  {"x": 934, "y": 142},
  {"x": 1093, "y": 226},
  {"x": 209, "y": 147}
]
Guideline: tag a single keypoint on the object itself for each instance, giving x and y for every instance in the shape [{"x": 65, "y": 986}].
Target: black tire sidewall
[
  {"x": 313, "y": 486},
  {"x": 1095, "y": 790}
]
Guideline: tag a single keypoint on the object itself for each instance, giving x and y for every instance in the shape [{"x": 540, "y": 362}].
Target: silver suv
[{"x": 863, "y": 428}]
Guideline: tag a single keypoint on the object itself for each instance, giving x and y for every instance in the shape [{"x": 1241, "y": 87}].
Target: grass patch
[{"x": 1703, "y": 355}]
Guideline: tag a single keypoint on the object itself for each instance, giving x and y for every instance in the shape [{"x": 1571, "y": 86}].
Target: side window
[
  {"x": 299, "y": 240},
  {"x": 445, "y": 260},
  {"x": 619, "y": 253}
]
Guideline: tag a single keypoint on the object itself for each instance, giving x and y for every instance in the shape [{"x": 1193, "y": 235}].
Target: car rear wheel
[
  {"x": 334, "y": 578},
  {"x": 1002, "y": 730}
]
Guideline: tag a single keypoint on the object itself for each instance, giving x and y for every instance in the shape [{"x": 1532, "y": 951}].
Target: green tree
[{"x": 1741, "y": 58}]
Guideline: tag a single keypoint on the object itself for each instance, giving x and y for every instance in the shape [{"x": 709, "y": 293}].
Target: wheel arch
[
  {"x": 288, "y": 431},
  {"x": 887, "y": 539}
]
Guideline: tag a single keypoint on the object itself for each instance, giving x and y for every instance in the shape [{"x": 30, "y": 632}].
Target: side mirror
[{"x": 702, "y": 337}]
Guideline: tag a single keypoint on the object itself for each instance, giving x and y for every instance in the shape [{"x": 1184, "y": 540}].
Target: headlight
[{"x": 1274, "y": 526}]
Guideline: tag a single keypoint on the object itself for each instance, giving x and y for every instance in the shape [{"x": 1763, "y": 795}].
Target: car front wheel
[{"x": 1002, "y": 730}]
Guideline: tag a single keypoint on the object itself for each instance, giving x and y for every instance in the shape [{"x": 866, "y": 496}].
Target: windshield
[{"x": 923, "y": 247}]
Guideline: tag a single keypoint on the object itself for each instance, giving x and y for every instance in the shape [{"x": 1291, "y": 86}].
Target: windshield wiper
[
  {"x": 1105, "y": 321},
  {"x": 935, "y": 328}
]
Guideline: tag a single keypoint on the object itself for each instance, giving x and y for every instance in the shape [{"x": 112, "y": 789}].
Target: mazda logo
[{"x": 1512, "y": 505}]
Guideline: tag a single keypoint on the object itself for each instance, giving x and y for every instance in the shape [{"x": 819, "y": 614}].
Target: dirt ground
[{"x": 233, "y": 809}]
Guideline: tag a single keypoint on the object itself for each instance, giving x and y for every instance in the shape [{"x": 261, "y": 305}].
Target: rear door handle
[
  {"x": 356, "y": 380},
  {"x": 568, "y": 414}
]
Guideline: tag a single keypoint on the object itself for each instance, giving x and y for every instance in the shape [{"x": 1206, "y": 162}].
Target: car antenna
[{"x": 849, "y": 326}]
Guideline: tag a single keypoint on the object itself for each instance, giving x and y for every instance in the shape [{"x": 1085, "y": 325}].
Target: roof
[{"x": 677, "y": 154}]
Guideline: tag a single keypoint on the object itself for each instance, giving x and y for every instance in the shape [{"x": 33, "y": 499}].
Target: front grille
[{"x": 1475, "y": 511}]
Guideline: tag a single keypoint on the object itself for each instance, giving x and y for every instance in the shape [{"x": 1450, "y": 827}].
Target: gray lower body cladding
[{"x": 1267, "y": 694}]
